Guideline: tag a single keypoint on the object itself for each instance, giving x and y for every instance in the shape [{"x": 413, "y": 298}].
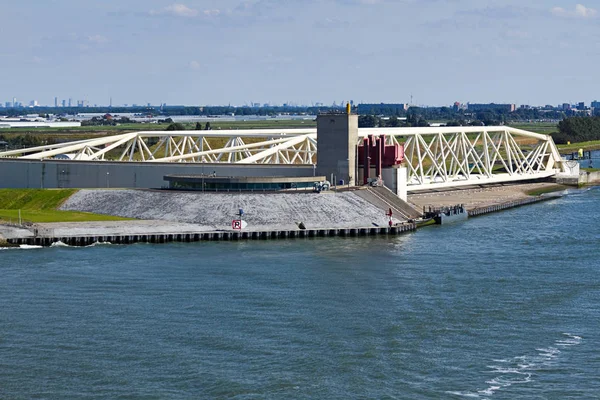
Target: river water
[{"x": 504, "y": 306}]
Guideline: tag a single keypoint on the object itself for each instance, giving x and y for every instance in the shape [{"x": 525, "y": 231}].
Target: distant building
[
  {"x": 64, "y": 103},
  {"x": 566, "y": 106},
  {"x": 56, "y": 102},
  {"x": 595, "y": 104},
  {"x": 8, "y": 104},
  {"x": 581, "y": 106},
  {"x": 491, "y": 107}
]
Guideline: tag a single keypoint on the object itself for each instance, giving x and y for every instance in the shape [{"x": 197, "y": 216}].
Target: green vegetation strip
[
  {"x": 573, "y": 147},
  {"x": 547, "y": 189},
  {"x": 40, "y": 205}
]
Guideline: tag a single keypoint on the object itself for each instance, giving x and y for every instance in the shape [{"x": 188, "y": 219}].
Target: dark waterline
[{"x": 503, "y": 306}]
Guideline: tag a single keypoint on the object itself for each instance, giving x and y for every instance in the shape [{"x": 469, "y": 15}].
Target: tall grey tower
[{"x": 337, "y": 136}]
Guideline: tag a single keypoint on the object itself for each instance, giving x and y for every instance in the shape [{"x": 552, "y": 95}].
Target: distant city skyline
[
  {"x": 200, "y": 52},
  {"x": 64, "y": 103}
]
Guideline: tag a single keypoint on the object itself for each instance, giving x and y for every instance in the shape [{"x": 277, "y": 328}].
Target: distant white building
[{"x": 11, "y": 123}]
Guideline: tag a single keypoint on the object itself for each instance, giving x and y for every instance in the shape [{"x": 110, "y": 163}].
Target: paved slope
[{"x": 216, "y": 210}]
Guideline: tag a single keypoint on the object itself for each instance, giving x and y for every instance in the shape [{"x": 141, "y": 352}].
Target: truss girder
[
  {"x": 434, "y": 156},
  {"x": 482, "y": 155}
]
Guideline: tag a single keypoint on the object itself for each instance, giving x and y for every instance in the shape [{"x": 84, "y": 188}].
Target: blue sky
[{"x": 300, "y": 51}]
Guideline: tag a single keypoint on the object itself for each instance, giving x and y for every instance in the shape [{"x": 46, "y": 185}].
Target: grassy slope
[
  {"x": 547, "y": 189},
  {"x": 40, "y": 205}
]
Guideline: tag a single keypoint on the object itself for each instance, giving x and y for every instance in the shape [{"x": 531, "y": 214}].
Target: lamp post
[{"x": 107, "y": 181}]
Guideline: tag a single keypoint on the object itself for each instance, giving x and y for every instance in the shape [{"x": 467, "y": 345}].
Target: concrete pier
[{"x": 217, "y": 236}]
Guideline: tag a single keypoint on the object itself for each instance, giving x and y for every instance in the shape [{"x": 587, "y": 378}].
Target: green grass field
[
  {"x": 545, "y": 128},
  {"x": 40, "y": 205},
  {"x": 122, "y": 128}
]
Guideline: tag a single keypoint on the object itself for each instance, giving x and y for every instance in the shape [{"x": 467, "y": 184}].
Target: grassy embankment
[
  {"x": 88, "y": 132},
  {"x": 547, "y": 189},
  {"x": 40, "y": 205},
  {"x": 547, "y": 128}
]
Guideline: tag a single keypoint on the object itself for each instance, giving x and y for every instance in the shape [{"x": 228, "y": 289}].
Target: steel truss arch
[{"x": 435, "y": 157}]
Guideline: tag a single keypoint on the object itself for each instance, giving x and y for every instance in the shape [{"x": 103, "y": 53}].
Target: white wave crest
[
  {"x": 462, "y": 394},
  {"x": 520, "y": 369},
  {"x": 99, "y": 244},
  {"x": 22, "y": 247},
  {"x": 62, "y": 244}
]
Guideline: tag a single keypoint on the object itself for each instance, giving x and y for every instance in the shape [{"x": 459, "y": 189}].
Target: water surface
[{"x": 503, "y": 306}]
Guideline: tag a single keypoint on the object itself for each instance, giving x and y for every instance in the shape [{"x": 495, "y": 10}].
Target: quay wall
[
  {"x": 218, "y": 236},
  {"x": 584, "y": 178},
  {"x": 475, "y": 212}
]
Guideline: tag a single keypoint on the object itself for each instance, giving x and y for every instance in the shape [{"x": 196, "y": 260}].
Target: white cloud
[
  {"x": 585, "y": 12},
  {"x": 98, "y": 39},
  {"x": 580, "y": 11},
  {"x": 178, "y": 10},
  {"x": 181, "y": 10},
  {"x": 195, "y": 65}
]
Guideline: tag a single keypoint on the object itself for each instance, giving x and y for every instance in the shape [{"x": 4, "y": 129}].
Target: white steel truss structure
[
  {"x": 265, "y": 146},
  {"x": 435, "y": 157},
  {"x": 460, "y": 156}
]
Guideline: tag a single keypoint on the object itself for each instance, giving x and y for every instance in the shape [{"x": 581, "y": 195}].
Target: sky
[{"x": 210, "y": 52}]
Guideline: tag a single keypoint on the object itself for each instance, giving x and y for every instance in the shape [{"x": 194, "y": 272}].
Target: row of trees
[
  {"x": 373, "y": 121},
  {"x": 384, "y": 110},
  {"x": 106, "y": 120},
  {"x": 178, "y": 126},
  {"x": 416, "y": 120},
  {"x": 450, "y": 114},
  {"x": 27, "y": 140}
]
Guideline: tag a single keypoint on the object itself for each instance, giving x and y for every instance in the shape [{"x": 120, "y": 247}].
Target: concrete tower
[{"x": 337, "y": 135}]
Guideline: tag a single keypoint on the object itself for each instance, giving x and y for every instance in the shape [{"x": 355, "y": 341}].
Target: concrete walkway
[{"x": 477, "y": 197}]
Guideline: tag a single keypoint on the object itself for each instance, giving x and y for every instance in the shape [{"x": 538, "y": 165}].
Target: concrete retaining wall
[
  {"x": 589, "y": 178},
  {"x": 15, "y": 173}
]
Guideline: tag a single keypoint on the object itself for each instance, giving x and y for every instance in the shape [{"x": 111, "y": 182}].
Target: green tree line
[{"x": 577, "y": 129}]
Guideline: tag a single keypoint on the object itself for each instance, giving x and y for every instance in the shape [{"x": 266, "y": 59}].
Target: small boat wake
[{"x": 520, "y": 369}]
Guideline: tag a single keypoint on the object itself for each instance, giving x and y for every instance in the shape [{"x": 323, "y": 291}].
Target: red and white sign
[{"x": 238, "y": 224}]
